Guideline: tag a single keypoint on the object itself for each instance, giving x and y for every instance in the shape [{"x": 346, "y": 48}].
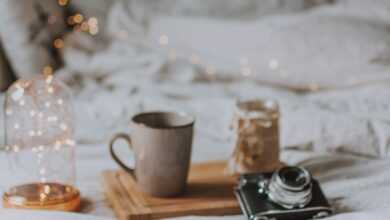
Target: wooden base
[
  {"x": 209, "y": 192},
  {"x": 39, "y": 196}
]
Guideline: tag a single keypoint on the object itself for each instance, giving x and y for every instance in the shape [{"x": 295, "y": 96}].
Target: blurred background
[{"x": 326, "y": 58}]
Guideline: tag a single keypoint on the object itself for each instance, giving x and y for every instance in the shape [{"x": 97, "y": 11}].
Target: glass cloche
[{"x": 40, "y": 146}]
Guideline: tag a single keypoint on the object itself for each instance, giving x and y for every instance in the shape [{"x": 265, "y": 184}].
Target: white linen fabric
[{"x": 129, "y": 74}]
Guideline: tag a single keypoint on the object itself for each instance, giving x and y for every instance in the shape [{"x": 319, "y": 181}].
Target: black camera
[{"x": 287, "y": 194}]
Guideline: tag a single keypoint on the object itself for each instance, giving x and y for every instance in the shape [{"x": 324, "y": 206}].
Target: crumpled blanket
[{"x": 132, "y": 74}]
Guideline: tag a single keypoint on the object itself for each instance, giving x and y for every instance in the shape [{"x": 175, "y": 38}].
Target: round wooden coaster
[{"x": 43, "y": 196}]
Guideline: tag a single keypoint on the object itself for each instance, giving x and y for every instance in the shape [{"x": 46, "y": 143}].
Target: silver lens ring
[{"x": 290, "y": 187}]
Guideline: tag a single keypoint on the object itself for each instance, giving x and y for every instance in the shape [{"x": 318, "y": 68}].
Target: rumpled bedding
[{"x": 339, "y": 130}]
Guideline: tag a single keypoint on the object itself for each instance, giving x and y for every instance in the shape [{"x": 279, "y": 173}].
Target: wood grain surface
[{"x": 209, "y": 192}]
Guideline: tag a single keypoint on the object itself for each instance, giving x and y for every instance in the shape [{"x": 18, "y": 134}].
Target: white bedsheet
[{"x": 357, "y": 188}]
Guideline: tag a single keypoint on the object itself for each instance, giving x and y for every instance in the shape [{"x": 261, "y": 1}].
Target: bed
[{"x": 328, "y": 67}]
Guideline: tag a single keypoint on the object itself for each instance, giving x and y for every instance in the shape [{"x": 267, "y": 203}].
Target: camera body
[{"x": 259, "y": 201}]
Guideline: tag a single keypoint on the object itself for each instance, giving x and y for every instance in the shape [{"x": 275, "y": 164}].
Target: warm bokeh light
[
  {"x": 92, "y": 21},
  {"x": 78, "y": 18},
  {"x": 93, "y": 30},
  {"x": 47, "y": 70},
  {"x": 58, "y": 43},
  {"x": 62, "y": 2}
]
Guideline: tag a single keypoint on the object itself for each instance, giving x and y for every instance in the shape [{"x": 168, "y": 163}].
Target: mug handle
[{"x": 127, "y": 138}]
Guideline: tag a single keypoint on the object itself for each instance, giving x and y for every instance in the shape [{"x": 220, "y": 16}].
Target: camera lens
[
  {"x": 289, "y": 187},
  {"x": 294, "y": 177}
]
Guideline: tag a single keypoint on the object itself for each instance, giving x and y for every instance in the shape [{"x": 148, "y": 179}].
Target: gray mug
[{"x": 162, "y": 145}]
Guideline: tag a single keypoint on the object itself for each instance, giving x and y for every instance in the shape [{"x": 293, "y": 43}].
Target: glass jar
[
  {"x": 40, "y": 146},
  {"x": 256, "y": 137}
]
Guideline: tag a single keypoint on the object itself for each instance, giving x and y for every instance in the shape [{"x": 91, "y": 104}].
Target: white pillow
[
  {"x": 132, "y": 15},
  {"x": 320, "y": 49}
]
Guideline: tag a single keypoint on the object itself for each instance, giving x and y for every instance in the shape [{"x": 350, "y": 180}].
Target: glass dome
[{"x": 40, "y": 146}]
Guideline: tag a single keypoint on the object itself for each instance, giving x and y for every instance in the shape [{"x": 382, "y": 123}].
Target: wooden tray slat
[{"x": 209, "y": 192}]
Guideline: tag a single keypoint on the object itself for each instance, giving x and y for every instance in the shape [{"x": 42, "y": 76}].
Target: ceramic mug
[{"x": 162, "y": 145}]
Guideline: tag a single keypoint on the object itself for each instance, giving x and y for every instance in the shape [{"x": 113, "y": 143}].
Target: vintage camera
[{"x": 287, "y": 194}]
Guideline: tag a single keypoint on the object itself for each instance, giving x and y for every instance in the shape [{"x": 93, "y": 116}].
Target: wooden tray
[{"x": 209, "y": 192}]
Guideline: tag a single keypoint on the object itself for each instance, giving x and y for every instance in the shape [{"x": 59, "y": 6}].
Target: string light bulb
[
  {"x": 78, "y": 18},
  {"x": 58, "y": 43},
  {"x": 62, "y": 2},
  {"x": 48, "y": 70}
]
